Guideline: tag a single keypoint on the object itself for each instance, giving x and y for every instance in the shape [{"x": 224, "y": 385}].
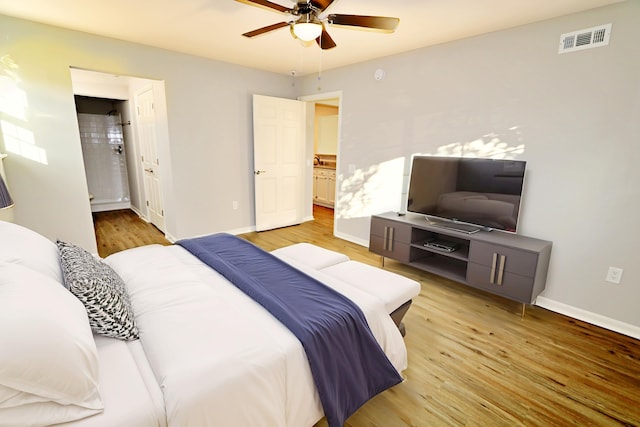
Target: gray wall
[{"x": 575, "y": 118}]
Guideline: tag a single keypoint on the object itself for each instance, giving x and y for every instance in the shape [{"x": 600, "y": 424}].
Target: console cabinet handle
[
  {"x": 501, "y": 269},
  {"x": 386, "y": 238},
  {"x": 492, "y": 277},
  {"x": 387, "y": 245}
]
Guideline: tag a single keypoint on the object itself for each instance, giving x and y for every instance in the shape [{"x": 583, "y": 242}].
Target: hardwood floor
[
  {"x": 123, "y": 229},
  {"x": 473, "y": 360}
]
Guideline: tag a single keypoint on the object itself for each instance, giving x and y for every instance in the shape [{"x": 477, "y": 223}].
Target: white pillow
[
  {"x": 48, "y": 361},
  {"x": 19, "y": 245}
]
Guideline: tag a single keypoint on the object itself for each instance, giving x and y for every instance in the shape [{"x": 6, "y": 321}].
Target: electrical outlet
[
  {"x": 234, "y": 205},
  {"x": 614, "y": 275}
]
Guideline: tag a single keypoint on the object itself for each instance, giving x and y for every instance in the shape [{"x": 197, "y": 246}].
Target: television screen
[{"x": 482, "y": 192}]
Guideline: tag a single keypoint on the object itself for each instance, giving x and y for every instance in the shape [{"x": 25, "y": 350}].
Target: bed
[{"x": 194, "y": 351}]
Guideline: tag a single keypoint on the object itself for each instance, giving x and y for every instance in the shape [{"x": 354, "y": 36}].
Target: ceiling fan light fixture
[
  {"x": 307, "y": 30},
  {"x": 306, "y": 21}
]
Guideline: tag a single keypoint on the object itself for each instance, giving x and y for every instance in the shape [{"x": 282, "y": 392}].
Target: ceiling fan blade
[
  {"x": 325, "y": 41},
  {"x": 377, "y": 23},
  {"x": 321, "y": 5},
  {"x": 266, "y": 29},
  {"x": 266, "y": 4}
]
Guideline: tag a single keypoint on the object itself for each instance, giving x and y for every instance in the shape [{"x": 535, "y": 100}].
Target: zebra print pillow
[{"x": 101, "y": 290}]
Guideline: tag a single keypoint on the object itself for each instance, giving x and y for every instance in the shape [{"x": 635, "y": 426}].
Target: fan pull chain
[{"x": 319, "y": 87}]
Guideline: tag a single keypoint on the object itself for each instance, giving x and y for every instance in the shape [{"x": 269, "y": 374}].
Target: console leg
[
  {"x": 524, "y": 306},
  {"x": 382, "y": 261}
]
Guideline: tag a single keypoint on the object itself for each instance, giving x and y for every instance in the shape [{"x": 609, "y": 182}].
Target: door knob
[
  {"x": 259, "y": 172},
  {"x": 149, "y": 170}
]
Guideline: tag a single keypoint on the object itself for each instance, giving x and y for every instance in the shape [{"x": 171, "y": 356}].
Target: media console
[{"x": 505, "y": 264}]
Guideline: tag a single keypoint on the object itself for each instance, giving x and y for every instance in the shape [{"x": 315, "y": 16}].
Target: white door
[
  {"x": 149, "y": 157},
  {"x": 278, "y": 157}
]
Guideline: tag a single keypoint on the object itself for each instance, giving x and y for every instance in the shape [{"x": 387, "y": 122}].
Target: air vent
[{"x": 585, "y": 39}]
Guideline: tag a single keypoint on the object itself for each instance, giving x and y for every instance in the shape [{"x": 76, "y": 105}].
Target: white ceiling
[{"x": 213, "y": 28}]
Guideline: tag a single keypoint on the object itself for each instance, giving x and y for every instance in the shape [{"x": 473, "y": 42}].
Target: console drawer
[
  {"x": 401, "y": 232},
  {"x": 396, "y": 250},
  {"x": 518, "y": 261},
  {"x": 514, "y": 286}
]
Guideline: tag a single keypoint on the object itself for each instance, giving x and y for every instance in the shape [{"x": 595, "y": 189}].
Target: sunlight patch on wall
[
  {"x": 9, "y": 68},
  {"x": 18, "y": 139},
  {"x": 376, "y": 189},
  {"x": 13, "y": 100},
  {"x": 487, "y": 146}
]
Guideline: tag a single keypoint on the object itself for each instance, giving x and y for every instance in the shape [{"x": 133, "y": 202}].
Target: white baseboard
[
  {"x": 167, "y": 236},
  {"x": 242, "y": 230},
  {"x": 139, "y": 213},
  {"x": 589, "y": 317},
  {"x": 245, "y": 230},
  {"x": 109, "y": 206},
  {"x": 351, "y": 239}
]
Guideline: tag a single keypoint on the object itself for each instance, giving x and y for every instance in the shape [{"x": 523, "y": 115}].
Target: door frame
[
  {"x": 311, "y": 100},
  {"x": 99, "y": 84}
]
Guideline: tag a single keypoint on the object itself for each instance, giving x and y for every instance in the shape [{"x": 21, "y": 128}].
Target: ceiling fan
[{"x": 307, "y": 22}]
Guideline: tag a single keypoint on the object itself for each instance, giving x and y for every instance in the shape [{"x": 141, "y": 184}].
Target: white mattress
[
  {"x": 219, "y": 357},
  {"x": 130, "y": 394}
]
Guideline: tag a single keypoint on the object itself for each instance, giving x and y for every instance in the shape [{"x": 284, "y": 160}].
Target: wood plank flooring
[
  {"x": 473, "y": 361},
  {"x": 123, "y": 229}
]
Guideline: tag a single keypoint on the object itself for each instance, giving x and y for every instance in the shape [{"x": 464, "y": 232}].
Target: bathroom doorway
[
  {"x": 119, "y": 97},
  {"x": 104, "y": 152}
]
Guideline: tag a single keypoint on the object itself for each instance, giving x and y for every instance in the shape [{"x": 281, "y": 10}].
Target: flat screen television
[{"x": 467, "y": 194}]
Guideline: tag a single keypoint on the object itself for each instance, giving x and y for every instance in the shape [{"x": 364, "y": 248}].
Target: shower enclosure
[{"x": 104, "y": 161}]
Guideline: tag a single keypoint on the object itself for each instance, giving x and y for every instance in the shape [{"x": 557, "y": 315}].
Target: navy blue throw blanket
[{"x": 347, "y": 364}]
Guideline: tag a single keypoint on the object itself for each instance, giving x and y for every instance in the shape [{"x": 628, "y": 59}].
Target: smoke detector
[{"x": 585, "y": 39}]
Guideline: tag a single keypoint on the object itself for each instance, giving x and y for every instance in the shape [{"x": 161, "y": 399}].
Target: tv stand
[{"x": 505, "y": 264}]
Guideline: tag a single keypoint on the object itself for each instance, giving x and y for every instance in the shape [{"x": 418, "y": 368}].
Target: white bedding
[
  {"x": 128, "y": 389},
  {"x": 228, "y": 362}
]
